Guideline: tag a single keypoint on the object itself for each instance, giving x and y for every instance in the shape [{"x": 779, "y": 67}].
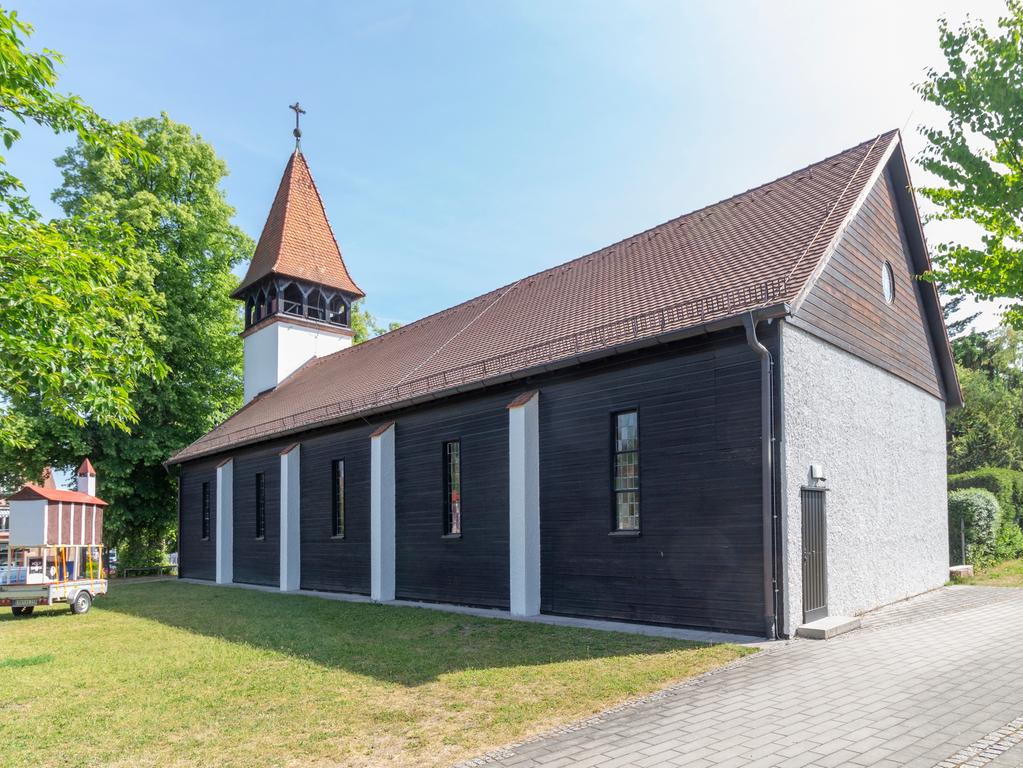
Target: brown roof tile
[
  {"x": 297, "y": 240},
  {"x": 754, "y": 250}
]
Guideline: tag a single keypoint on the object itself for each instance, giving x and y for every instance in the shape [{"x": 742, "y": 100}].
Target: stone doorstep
[
  {"x": 960, "y": 572},
  {"x": 828, "y": 627}
]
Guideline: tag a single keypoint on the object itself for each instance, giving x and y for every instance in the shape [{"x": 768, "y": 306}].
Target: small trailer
[{"x": 56, "y": 547}]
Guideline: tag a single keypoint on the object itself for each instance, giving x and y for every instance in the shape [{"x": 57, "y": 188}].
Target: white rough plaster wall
[
  {"x": 277, "y": 350},
  {"x": 881, "y": 442}
]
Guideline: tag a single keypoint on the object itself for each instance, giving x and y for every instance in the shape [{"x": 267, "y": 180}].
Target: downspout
[{"x": 767, "y": 469}]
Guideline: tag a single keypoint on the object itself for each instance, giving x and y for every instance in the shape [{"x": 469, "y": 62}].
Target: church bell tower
[{"x": 297, "y": 292}]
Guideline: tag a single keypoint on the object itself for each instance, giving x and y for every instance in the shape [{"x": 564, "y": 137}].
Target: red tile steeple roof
[{"x": 297, "y": 240}]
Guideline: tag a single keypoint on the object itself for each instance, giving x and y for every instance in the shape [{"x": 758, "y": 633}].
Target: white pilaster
[
  {"x": 225, "y": 522},
  {"x": 524, "y": 504},
  {"x": 381, "y": 511},
  {"x": 291, "y": 567}
]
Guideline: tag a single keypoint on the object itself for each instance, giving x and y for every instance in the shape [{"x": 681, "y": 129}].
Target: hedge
[
  {"x": 1005, "y": 484},
  {"x": 979, "y": 510}
]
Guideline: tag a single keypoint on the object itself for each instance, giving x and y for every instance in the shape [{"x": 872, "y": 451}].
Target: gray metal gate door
[{"x": 815, "y": 554}]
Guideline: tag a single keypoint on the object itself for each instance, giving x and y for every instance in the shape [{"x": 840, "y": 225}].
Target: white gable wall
[
  {"x": 881, "y": 443},
  {"x": 277, "y": 350},
  {"x": 28, "y": 523}
]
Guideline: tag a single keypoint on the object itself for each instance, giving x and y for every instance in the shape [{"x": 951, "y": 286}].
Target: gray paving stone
[{"x": 921, "y": 681}]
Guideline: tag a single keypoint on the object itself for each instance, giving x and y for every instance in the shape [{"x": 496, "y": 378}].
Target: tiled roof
[
  {"x": 754, "y": 250},
  {"x": 30, "y": 491},
  {"x": 297, "y": 240}
]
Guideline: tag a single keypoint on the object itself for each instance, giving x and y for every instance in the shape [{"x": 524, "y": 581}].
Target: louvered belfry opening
[{"x": 297, "y": 299}]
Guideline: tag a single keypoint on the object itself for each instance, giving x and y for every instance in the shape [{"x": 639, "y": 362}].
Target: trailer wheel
[
  {"x": 23, "y": 610},
  {"x": 82, "y": 603}
]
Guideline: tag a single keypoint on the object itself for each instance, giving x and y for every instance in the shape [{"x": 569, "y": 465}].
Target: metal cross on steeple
[{"x": 298, "y": 131}]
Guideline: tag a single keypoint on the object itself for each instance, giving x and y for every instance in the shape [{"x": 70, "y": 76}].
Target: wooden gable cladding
[{"x": 846, "y": 305}]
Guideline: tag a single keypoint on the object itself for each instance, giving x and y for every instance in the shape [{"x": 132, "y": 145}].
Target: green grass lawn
[
  {"x": 172, "y": 674},
  {"x": 1007, "y": 574}
]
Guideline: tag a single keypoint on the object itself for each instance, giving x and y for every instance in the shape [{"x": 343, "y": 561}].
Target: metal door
[{"x": 815, "y": 554}]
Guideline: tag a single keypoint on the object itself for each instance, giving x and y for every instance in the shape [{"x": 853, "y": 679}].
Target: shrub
[
  {"x": 1005, "y": 484},
  {"x": 1009, "y": 542},
  {"x": 979, "y": 511}
]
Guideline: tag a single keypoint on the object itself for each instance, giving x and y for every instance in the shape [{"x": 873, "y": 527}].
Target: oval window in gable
[{"x": 887, "y": 282}]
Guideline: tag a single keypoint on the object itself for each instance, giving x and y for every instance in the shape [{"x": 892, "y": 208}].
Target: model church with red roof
[{"x": 47, "y": 516}]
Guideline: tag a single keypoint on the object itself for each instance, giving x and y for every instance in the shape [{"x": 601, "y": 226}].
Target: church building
[{"x": 734, "y": 420}]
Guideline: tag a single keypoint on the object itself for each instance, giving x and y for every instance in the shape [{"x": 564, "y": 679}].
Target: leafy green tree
[
  {"x": 988, "y": 429},
  {"x": 979, "y": 156},
  {"x": 949, "y": 306},
  {"x": 78, "y": 313},
  {"x": 365, "y": 325},
  {"x": 999, "y": 354},
  {"x": 182, "y": 221}
]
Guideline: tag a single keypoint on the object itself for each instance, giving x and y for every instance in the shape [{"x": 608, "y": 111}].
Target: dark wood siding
[
  {"x": 846, "y": 307},
  {"x": 473, "y": 569},
  {"x": 197, "y": 558},
  {"x": 698, "y": 559},
  {"x": 257, "y": 561},
  {"x": 336, "y": 565}
]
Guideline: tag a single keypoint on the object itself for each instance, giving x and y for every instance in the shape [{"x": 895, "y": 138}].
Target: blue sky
[{"x": 461, "y": 145}]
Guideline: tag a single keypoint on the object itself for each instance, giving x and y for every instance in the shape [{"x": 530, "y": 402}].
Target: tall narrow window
[
  {"x": 260, "y": 505},
  {"x": 626, "y": 471},
  {"x": 337, "y": 508},
  {"x": 452, "y": 488},
  {"x": 205, "y": 510}
]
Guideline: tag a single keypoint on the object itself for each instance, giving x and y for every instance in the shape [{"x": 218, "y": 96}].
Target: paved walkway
[{"x": 935, "y": 681}]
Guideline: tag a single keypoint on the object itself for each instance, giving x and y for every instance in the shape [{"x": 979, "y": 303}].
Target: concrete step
[
  {"x": 828, "y": 627},
  {"x": 960, "y": 572}
]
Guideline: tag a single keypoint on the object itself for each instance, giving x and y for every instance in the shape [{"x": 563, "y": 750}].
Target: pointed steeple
[
  {"x": 297, "y": 241},
  {"x": 87, "y": 478},
  {"x": 298, "y": 293}
]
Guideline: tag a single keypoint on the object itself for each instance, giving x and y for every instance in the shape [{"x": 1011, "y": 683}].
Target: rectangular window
[
  {"x": 452, "y": 488},
  {"x": 260, "y": 505},
  {"x": 338, "y": 506},
  {"x": 205, "y": 510},
  {"x": 626, "y": 471}
]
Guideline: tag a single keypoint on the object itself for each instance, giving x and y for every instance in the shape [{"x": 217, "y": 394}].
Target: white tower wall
[{"x": 277, "y": 350}]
